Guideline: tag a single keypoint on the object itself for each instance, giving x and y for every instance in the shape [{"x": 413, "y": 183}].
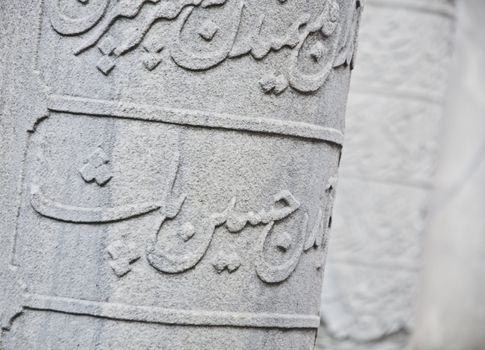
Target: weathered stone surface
[
  {"x": 451, "y": 313},
  {"x": 394, "y": 117},
  {"x": 370, "y": 280},
  {"x": 170, "y": 170},
  {"x": 405, "y": 48},
  {"x": 391, "y": 140},
  {"x": 386, "y": 239}
]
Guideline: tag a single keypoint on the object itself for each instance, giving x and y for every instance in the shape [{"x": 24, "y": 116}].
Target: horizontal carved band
[
  {"x": 124, "y": 110},
  {"x": 317, "y": 42},
  {"x": 441, "y": 8},
  {"x": 149, "y": 314}
]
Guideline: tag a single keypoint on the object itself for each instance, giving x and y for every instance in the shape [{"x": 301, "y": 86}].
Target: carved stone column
[
  {"x": 450, "y": 309},
  {"x": 394, "y": 119},
  {"x": 170, "y": 170}
]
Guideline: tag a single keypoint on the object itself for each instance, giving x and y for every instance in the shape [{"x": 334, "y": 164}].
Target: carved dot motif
[
  {"x": 223, "y": 261},
  {"x": 96, "y": 168},
  {"x": 284, "y": 242},
  {"x": 106, "y": 65},
  {"x": 274, "y": 83},
  {"x": 208, "y": 30},
  {"x": 108, "y": 61},
  {"x": 187, "y": 232},
  {"x": 153, "y": 56},
  {"x": 106, "y": 46},
  {"x": 122, "y": 256},
  {"x": 152, "y": 62},
  {"x": 317, "y": 51}
]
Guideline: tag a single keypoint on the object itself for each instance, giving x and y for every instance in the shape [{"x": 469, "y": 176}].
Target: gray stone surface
[
  {"x": 169, "y": 170},
  {"x": 451, "y": 313},
  {"x": 393, "y": 127}
]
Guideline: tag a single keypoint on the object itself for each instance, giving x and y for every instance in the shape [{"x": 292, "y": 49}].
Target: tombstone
[
  {"x": 394, "y": 119},
  {"x": 169, "y": 170},
  {"x": 450, "y": 314}
]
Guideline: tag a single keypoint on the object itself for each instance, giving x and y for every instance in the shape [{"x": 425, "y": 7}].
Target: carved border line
[
  {"x": 406, "y": 94},
  {"x": 124, "y": 110},
  {"x": 150, "y": 314},
  {"x": 444, "y": 10}
]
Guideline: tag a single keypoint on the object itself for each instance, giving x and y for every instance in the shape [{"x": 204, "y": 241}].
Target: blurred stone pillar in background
[
  {"x": 394, "y": 118},
  {"x": 451, "y": 314},
  {"x": 169, "y": 170}
]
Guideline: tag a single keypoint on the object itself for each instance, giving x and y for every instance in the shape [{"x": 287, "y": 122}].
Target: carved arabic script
[
  {"x": 163, "y": 260},
  {"x": 316, "y": 43},
  {"x": 235, "y": 222}
]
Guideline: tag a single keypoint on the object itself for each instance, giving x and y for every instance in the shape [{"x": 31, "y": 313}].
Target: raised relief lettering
[
  {"x": 317, "y": 44},
  {"x": 285, "y": 204},
  {"x": 318, "y": 235},
  {"x": 161, "y": 257},
  {"x": 178, "y": 244}
]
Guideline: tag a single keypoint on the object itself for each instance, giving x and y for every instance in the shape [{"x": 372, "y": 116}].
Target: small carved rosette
[{"x": 183, "y": 180}]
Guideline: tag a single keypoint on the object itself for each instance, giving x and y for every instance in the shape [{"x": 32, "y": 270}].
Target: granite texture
[
  {"x": 392, "y": 141},
  {"x": 169, "y": 170}
]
